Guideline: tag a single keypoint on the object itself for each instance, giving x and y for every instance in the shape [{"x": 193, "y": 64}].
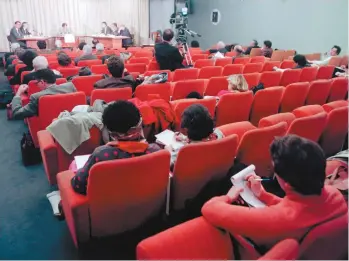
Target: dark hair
[
  {"x": 299, "y": 162},
  {"x": 194, "y": 95},
  {"x": 115, "y": 24},
  {"x": 168, "y": 35},
  {"x": 28, "y": 57},
  {"x": 115, "y": 66},
  {"x": 104, "y": 23},
  {"x": 17, "y": 22},
  {"x": 338, "y": 49},
  {"x": 19, "y": 52},
  {"x": 95, "y": 41},
  {"x": 41, "y": 44},
  {"x": 81, "y": 45},
  {"x": 23, "y": 24},
  {"x": 63, "y": 59},
  {"x": 255, "y": 42},
  {"x": 300, "y": 60},
  {"x": 194, "y": 44},
  {"x": 64, "y": 24},
  {"x": 46, "y": 75},
  {"x": 267, "y": 43},
  {"x": 120, "y": 116},
  {"x": 198, "y": 121}
]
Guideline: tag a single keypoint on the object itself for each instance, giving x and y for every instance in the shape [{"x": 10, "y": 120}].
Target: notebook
[
  {"x": 167, "y": 137},
  {"x": 239, "y": 181},
  {"x": 81, "y": 160}
]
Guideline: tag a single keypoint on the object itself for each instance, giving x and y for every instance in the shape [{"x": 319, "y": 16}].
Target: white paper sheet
[
  {"x": 239, "y": 181},
  {"x": 81, "y": 160},
  {"x": 167, "y": 137}
]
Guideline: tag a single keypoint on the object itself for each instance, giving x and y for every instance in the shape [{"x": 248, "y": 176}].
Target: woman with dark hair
[
  {"x": 300, "y": 60},
  {"x": 124, "y": 123},
  {"x": 27, "y": 58},
  {"x": 24, "y": 29},
  {"x": 64, "y": 61},
  {"x": 299, "y": 166}
]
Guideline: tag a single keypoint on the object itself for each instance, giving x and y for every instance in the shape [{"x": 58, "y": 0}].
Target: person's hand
[
  {"x": 254, "y": 184},
  {"x": 22, "y": 89},
  {"x": 233, "y": 194}
]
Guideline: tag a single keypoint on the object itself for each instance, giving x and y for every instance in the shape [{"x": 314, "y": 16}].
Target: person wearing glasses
[
  {"x": 45, "y": 80},
  {"x": 124, "y": 124}
]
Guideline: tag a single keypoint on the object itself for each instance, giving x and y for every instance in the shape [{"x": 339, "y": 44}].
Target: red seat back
[
  {"x": 290, "y": 76},
  {"x": 19, "y": 66},
  {"x": 210, "y": 71},
  {"x": 85, "y": 83},
  {"x": 182, "y": 88},
  {"x": 288, "y": 64},
  {"x": 24, "y": 74},
  {"x": 335, "y": 61},
  {"x": 234, "y": 107},
  {"x": 136, "y": 67},
  {"x": 111, "y": 94},
  {"x": 110, "y": 183},
  {"x": 232, "y": 69},
  {"x": 223, "y": 62},
  {"x": 271, "y": 120},
  {"x": 196, "y": 57},
  {"x": 268, "y": 66},
  {"x": 334, "y": 105},
  {"x": 266, "y": 102},
  {"x": 185, "y": 74},
  {"x": 318, "y": 92},
  {"x": 195, "y": 168},
  {"x": 253, "y": 68},
  {"x": 339, "y": 89},
  {"x": 325, "y": 72},
  {"x": 100, "y": 69},
  {"x": 66, "y": 72},
  {"x": 215, "y": 85},
  {"x": 252, "y": 79},
  {"x": 294, "y": 96},
  {"x": 307, "y": 110},
  {"x": 89, "y": 63},
  {"x": 270, "y": 79},
  {"x": 144, "y": 54},
  {"x": 308, "y": 74},
  {"x": 61, "y": 81},
  {"x": 241, "y": 60},
  {"x": 153, "y": 66},
  {"x": 203, "y": 63},
  {"x": 144, "y": 60},
  {"x": 257, "y": 59},
  {"x": 162, "y": 89}
]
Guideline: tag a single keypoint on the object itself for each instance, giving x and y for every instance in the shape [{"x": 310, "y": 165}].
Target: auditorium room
[{"x": 174, "y": 129}]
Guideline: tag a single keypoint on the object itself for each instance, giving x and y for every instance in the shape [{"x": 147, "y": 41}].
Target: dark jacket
[
  {"x": 168, "y": 57},
  {"x": 126, "y": 42},
  {"x": 112, "y": 82},
  {"x": 17, "y": 78},
  {"x": 32, "y": 76},
  {"x": 107, "y": 30},
  {"x": 85, "y": 57},
  {"x": 15, "y": 35},
  {"x": 24, "y": 32}
]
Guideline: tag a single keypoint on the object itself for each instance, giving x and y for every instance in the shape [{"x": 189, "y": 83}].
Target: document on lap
[{"x": 167, "y": 138}]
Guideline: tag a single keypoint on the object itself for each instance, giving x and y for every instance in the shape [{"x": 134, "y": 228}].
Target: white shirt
[{"x": 323, "y": 62}]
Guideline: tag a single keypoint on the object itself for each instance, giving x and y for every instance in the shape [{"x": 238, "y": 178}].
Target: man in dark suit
[
  {"x": 106, "y": 29},
  {"x": 168, "y": 56},
  {"x": 123, "y": 31},
  {"x": 16, "y": 34}
]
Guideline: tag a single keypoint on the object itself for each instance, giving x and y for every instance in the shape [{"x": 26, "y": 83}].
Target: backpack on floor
[
  {"x": 30, "y": 154},
  {"x": 337, "y": 172},
  {"x": 6, "y": 95}
]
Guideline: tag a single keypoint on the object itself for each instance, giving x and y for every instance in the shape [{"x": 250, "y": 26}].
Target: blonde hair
[{"x": 237, "y": 82}]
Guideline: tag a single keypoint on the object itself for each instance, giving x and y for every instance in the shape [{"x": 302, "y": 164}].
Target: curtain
[{"x": 82, "y": 16}]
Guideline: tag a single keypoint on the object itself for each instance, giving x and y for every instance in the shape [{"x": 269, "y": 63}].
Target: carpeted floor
[{"x": 28, "y": 230}]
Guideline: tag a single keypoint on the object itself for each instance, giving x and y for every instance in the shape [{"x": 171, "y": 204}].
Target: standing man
[
  {"x": 168, "y": 56},
  {"x": 16, "y": 34},
  {"x": 106, "y": 29}
]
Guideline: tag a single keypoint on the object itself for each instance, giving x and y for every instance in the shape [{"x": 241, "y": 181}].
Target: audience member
[
  {"x": 168, "y": 56},
  {"x": 194, "y": 44},
  {"x": 267, "y": 51},
  {"x": 196, "y": 126},
  {"x": 42, "y": 47},
  {"x": 220, "y": 50},
  {"x": 300, "y": 60},
  {"x": 253, "y": 44},
  {"x": 10, "y": 56},
  {"x": 99, "y": 49},
  {"x": 336, "y": 50},
  {"x": 86, "y": 54},
  {"x": 236, "y": 83},
  {"x": 94, "y": 43},
  {"x": 119, "y": 77},
  {"x": 115, "y": 29},
  {"x": 64, "y": 61},
  {"x": 124, "y": 123},
  {"x": 27, "y": 58},
  {"x": 11, "y": 68},
  {"x": 299, "y": 166},
  {"x": 81, "y": 46},
  {"x": 24, "y": 29},
  {"x": 239, "y": 52},
  {"x": 194, "y": 95},
  {"x": 39, "y": 63},
  {"x": 46, "y": 82}
]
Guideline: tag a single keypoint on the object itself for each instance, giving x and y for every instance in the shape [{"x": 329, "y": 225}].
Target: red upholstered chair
[
  {"x": 288, "y": 64},
  {"x": 85, "y": 83},
  {"x": 294, "y": 96},
  {"x": 234, "y": 107},
  {"x": 268, "y": 66},
  {"x": 257, "y": 59},
  {"x": 195, "y": 50},
  {"x": 256, "y": 52},
  {"x": 182, "y": 88},
  {"x": 253, "y": 68},
  {"x": 185, "y": 74},
  {"x": 266, "y": 102},
  {"x": 238, "y": 128},
  {"x": 162, "y": 89},
  {"x": 153, "y": 66},
  {"x": 179, "y": 107},
  {"x": 196, "y": 57},
  {"x": 318, "y": 92},
  {"x": 241, "y": 60},
  {"x": 334, "y": 105},
  {"x": 53, "y": 65},
  {"x": 210, "y": 71},
  {"x": 105, "y": 210},
  {"x": 111, "y": 94},
  {"x": 61, "y": 81},
  {"x": 215, "y": 85},
  {"x": 203, "y": 63},
  {"x": 230, "y": 54},
  {"x": 290, "y": 76},
  {"x": 89, "y": 63},
  {"x": 136, "y": 67},
  {"x": 271, "y": 120},
  {"x": 100, "y": 69},
  {"x": 144, "y": 60},
  {"x": 270, "y": 79},
  {"x": 50, "y": 106},
  {"x": 19, "y": 66},
  {"x": 278, "y": 55},
  {"x": 195, "y": 168},
  {"x": 232, "y": 69},
  {"x": 335, "y": 61},
  {"x": 24, "y": 74},
  {"x": 308, "y": 110},
  {"x": 325, "y": 72},
  {"x": 66, "y": 72},
  {"x": 32, "y": 88},
  {"x": 336, "y": 130},
  {"x": 144, "y": 54},
  {"x": 223, "y": 62},
  {"x": 308, "y": 74},
  {"x": 339, "y": 89},
  {"x": 252, "y": 79}
]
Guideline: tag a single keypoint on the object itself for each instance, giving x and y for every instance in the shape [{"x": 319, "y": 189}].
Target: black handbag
[{"x": 30, "y": 154}]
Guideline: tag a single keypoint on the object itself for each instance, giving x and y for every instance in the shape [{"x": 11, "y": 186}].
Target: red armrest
[
  {"x": 75, "y": 207},
  {"x": 49, "y": 156},
  {"x": 195, "y": 239},
  {"x": 34, "y": 127}
]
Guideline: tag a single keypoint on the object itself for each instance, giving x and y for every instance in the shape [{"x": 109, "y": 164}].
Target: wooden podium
[{"x": 32, "y": 41}]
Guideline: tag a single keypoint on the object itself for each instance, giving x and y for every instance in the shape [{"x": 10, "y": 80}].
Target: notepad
[
  {"x": 239, "y": 181},
  {"x": 167, "y": 138},
  {"x": 81, "y": 160}
]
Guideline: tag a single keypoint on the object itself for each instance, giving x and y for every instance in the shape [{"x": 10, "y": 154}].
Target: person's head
[
  {"x": 167, "y": 36},
  {"x": 336, "y": 50},
  {"x": 220, "y": 45},
  {"x": 45, "y": 78},
  {"x": 114, "y": 26},
  {"x": 15, "y": 46},
  {"x": 99, "y": 47},
  {"x": 87, "y": 49},
  {"x": 115, "y": 66},
  {"x": 19, "y": 53},
  {"x": 58, "y": 44},
  {"x": 28, "y": 57},
  {"x": 63, "y": 59},
  {"x": 81, "y": 45},
  {"x": 122, "y": 26},
  {"x": 237, "y": 82},
  {"x": 41, "y": 45},
  {"x": 299, "y": 164},
  {"x": 238, "y": 49},
  {"x": 194, "y": 95},
  {"x": 301, "y": 60},
  {"x": 254, "y": 43},
  {"x": 24, "y": 25},
  {"x": 40, "y": 62},
  {"x": 18, "y": 24},
  {"x": 85, "y": 71},
  {"x": 194, "y": 44},
  {"x": 104, "y": 24},
  {"x": 267, "y": 44},
  {"x": 123, "y": 120},
  {"x": 197, "y": 122},
  {"x": 64, "y": 25}
]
